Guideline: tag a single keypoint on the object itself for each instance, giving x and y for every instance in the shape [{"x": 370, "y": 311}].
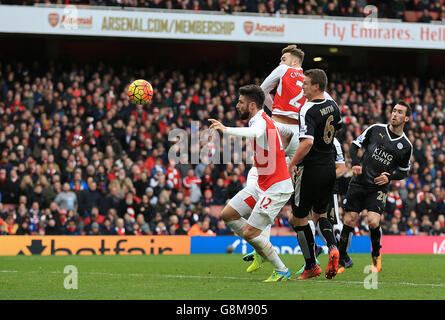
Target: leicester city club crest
[{"x": 400, "y": 146}]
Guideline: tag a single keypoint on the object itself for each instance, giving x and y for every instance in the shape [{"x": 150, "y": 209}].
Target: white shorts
[
  {"x": 269, "y": 204},
  {"x": 245, "y": 200}
]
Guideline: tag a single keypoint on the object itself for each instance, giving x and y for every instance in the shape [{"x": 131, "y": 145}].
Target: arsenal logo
[
  {"x": 53, "y": 19},
  {"x": 248, "y": 27}
]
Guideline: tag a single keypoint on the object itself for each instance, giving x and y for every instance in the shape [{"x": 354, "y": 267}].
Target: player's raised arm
[{"x": 272, "y": 80}]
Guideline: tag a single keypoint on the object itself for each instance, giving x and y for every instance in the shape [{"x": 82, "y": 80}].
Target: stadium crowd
[
  {"x": 409, "y": 10},
  {"x": 78, "y": 158}
]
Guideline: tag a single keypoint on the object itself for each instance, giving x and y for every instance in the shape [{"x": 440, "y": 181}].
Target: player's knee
[
  {"x": 229, "y": 214},
  {"x": 350, "y": 219},
  {"x": 250, "y": 232},
  {"x": 374, "y": 220}
]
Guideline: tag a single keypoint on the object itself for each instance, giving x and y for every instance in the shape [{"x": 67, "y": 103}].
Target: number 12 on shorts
[{"x": 265, "y": 202}]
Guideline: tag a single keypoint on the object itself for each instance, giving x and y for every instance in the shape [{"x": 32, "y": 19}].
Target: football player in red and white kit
[
  {"x": 274, "y": 185},
  {"x": 288, "y": 79}
]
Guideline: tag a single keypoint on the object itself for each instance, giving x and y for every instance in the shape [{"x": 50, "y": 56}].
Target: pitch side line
[{"x": 228, "y": 278}]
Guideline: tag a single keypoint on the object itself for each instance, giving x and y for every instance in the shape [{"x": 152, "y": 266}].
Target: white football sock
[
  {"x": 266, "y": 232},
  {"x": 265, "y": 248}
]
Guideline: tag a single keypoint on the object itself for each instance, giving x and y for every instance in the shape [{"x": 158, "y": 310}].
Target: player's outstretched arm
[
  {"x": 216, "y": 125},
  {"x": 252, "y": 132}
]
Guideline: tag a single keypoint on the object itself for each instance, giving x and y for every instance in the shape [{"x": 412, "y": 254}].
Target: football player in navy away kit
[
  {"x": 319, "y": 120},
  {"x": 386, "y": 157}
]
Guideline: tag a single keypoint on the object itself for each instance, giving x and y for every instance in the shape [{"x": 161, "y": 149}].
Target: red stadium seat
[
  {"x": 434, "y": 15},
  {"x": 411, "y": 16}
]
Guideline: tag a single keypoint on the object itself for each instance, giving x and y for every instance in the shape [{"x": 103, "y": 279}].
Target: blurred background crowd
[
  {"x": 78, "y": 158},
  {"x": 408, "y": 10}
]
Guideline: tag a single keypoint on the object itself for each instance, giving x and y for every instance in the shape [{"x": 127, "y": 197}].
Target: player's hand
[
  {"x": 382, "y": 179},
  {"x": 357, "y": 170},
  {"x": 216, "y": 125}
]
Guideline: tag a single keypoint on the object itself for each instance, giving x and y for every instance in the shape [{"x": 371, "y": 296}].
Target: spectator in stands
[
  {"x": 24, "y": 228},
  {"x": 413, "y": 228},
  {"x": 426, "y": 17},
  {"x": 207, "y": 201},
  {"x": 398, "y": 9},
  {"x": 441, "y": 15},
  {"x": 52, "y": 228},
  {"x": 161, "y": 229},
  {"x": 410, "y": 203},
  {"x": 426, "y": 207},
  {"x": 189, "y": 181},
  {"x": 71, "y": 228},
  {"x": 437, "y": 230},
  {"x": 222, "y": 229},
  {"x": 94, "y": 230},
  {"x": 234, "y": 186},
  {"x": 331, "y": 10},
  {"x": 393, "y": 230},
  {"x": 26, "y": 157},
  {"x": 67, "y": 199},
  {"x": 120, "y": 227},
  {"x": 211, "y": 5},
  {"x": 219, "y": 193},
  {"x": 196, "y": 229},
  {"x": 107, "y": 228},
  {"x": 205, "y": 228},
  {"x": 425, "y": 226},
  {"x": 89, "y": 198}
]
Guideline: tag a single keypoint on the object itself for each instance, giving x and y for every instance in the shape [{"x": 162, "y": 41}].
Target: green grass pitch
[{"x": 214, "y": 277}]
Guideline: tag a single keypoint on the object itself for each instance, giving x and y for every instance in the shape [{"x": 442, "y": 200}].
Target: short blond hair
[{"x": 293, "y": 50}]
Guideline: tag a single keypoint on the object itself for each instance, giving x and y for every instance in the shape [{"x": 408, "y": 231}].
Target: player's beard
[
  {"x": 244, "y": 115},
  {"x": 396, "y": 124}
]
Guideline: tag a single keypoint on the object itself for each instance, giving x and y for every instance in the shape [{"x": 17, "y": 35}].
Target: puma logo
[{"x": 381, "y": 135}]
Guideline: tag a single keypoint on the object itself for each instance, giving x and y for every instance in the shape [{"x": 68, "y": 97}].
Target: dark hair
[
  {"x": 319, "y": 77},
  {"x": 253, "y": 93},
  {"x": 293, "y": 50},
  {"x": 409, "y": 111}
]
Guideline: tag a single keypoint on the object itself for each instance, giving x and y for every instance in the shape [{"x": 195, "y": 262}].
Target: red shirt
[
  {"x": 271, "y": 158},
  {"x": 188, "y": 183},
  {"x": 174, "y": 177},
  {"x": 289, "y": 97}
]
